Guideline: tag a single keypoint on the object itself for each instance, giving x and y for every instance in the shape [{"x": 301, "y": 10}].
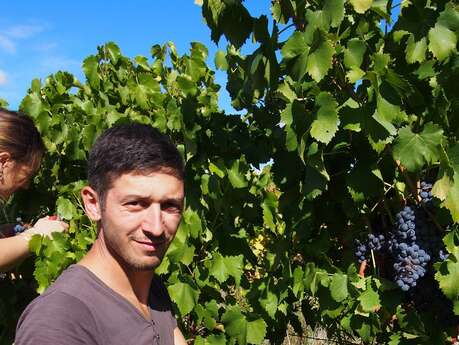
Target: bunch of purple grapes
[
  {"x": 410, "y": 259},
  {"x": 376, "y": 242},
  {"x": 413, "y": 244},
  {"x": 373, "y": 242},
  {"x": 361, "y": 251},
  {"x": 426, "y": 193}
]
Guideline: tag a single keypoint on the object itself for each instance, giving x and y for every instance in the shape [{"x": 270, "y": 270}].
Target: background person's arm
[
  {"x": 13, "y": 250},
  {"x": 179, "y": 339},
  {"x": 16, "y": 248}
]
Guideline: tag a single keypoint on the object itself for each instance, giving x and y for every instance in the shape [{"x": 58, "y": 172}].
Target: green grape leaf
[
  {"x": 442, "y": 42},
  {"x": 335, "y": 11},
  {"x": 32, "y": 105},
  {"x": 214, "y": 339},
  {"x": 113, "y": 51},
  {"x": 338, "y": 287},
  {"x": 354, "y": 74},
  {"x": 450, "y": 17},
  {"x": 4, "y": 103},
  {"x": 414, "y": 150},
  {"x": 320, "y": 59},
  {"x": 451, "y": 201},
  {"x": 220, "y": 60},
  {"x": 222, "y": 267},
  {"x": 191, "y": 224},
  {"x": 447, "y": 274},
  {"x": 269, "y": 302},
  {"x": 65, "y": 208},
  {"x": 416, "y": 50},
  {"x": 256, "y": 331},
  {"x": 295, "y": 45},
  {"x": 326, "y": 124},
  {"x": 361, "y": 6},
  {"x": 184, "y": 296},
  {"x": 369, "y": 300},
  {"x": 235, "y": 324},
  {"x": 90, "y": 66},
  {"x": 236, "y": 176},
  {"x": 386, "y": 114},
  {"x": 353, "y": 55},
  {"x": 291, "y": 142}
]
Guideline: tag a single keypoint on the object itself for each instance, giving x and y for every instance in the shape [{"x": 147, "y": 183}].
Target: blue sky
[{"x": 38, "y": 38}]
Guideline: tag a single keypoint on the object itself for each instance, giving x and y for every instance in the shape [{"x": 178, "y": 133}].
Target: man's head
[
  {"x": 130, "y": 148},
  {"x": 135, "y": 194}
]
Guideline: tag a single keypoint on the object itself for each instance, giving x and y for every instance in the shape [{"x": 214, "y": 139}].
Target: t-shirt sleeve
[{"x": 57, "y": 318}]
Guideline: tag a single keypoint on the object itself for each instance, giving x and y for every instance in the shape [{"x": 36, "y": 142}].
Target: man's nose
[{"x": 152, "y": 221}]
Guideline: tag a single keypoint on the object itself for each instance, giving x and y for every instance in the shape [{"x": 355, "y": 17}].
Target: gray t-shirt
[{"x": 80, "y": 309}]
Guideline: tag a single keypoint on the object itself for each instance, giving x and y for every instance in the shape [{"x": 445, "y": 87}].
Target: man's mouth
[{"x": 150, "y": 245}]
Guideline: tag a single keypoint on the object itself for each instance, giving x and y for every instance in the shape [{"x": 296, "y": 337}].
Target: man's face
[{"x": 140, "y": 218}]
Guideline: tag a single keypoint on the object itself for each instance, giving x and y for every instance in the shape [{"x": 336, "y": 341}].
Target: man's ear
[{"x": 91, "y": 202}]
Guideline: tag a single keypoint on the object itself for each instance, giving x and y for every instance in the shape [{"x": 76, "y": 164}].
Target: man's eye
[
  {"x": 133, "y": 203},
  {"x": 171, "y": 207}
]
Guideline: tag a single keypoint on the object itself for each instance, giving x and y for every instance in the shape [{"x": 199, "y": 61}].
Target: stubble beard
[{"x": 125, "y": 255}]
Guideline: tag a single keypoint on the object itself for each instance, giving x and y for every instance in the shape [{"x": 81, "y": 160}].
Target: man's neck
[{"x": 132, "y": 285}]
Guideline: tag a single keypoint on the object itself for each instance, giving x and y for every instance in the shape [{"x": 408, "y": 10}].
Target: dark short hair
[
  {"x": 20, "y": 138},
  {"x": 127, "y": 148}
]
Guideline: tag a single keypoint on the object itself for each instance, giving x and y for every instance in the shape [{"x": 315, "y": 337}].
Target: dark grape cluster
[
  {"x": 410, "y": 259},
  {"x": 405, "y": 226},
  {"x": 361, "y": 251},
  {"x": 373, "y": 242},
  {"x": 426, "y": 193},
  {"x": 406, "y": 254},
  {"x": 376, "y": 242},
  {"x": 412, "y": 246}
]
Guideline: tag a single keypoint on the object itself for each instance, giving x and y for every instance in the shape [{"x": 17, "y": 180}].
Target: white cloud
[
  {"x": 3, "y": 78},
  {"x": 23, "y": 31},
  {"x": 7, "y": 44},
  {"x": 10, "y": 36}
]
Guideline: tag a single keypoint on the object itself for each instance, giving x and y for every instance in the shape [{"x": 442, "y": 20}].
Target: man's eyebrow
[
  {"x": 134, "y": 196},
  {"x": 178, "y": 200}
]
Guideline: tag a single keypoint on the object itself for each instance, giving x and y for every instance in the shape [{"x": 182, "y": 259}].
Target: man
[{"x": 111, "y": 296}]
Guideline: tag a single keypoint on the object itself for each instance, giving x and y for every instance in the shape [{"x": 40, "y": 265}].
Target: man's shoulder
[
  {"x": 72, "y": 281},
  {"x": 64, "y": 301},
  {"x": 51, "y": 317},
  {"x": 55, "y": 304},
  {"x": 65, "y": 296}
]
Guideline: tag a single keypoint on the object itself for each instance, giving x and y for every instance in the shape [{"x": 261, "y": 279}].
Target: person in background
[
  {"x": 113, "y": 296},
  {"x": 21, "y": 150}
]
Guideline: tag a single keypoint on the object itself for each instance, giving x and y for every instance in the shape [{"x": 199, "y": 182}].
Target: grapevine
[{"x": 344, "y": 118}]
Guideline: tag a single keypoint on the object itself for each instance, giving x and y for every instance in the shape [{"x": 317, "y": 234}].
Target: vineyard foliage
[{"x": 343, "y": 114}]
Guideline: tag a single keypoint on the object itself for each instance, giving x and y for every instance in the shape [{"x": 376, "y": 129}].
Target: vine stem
[
  {"x": 373, "y": 258},
  {"x": 367, "y": 221},
  {"x": 363, "y": 266},
  {"x": 408, "y": 180},
  {"x": 286, "y": 28}
]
